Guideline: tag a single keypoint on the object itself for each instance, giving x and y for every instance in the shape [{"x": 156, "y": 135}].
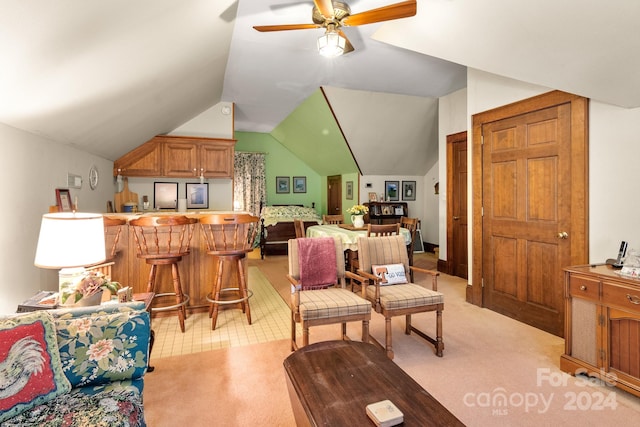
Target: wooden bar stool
[
  {"x": 164, "y": 240},
  {"x": 229, "y": 237}
]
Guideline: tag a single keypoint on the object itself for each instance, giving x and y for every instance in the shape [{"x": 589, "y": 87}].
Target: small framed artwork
[
  {"x": 391, "y": 191},
  {"x": 349, "y": 190},
  {"x": 197, "y": 195},
  {"x": 165, "y": 195},
  {"x": 373, "y": 196},
  {"x": 63, "y": 200},
  {"x": 282, "y": 184},
  {"x": 299, "y": 184},
  {"x": 408, "y": 190}
]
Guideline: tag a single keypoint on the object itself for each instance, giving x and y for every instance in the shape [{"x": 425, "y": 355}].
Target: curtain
[{"x": 249, "y": 187}]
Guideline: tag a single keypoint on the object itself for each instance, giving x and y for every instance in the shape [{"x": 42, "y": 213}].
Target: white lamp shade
[{"x": 70, "y": 240}]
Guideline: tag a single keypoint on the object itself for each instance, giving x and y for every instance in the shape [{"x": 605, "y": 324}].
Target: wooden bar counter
[{"x": 197, "y": 270}]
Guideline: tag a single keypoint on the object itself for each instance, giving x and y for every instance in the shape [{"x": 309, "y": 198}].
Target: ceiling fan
[{"x": 333, "y": 15}]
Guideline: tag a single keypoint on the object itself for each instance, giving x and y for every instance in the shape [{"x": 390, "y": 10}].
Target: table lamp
[{"x": 70, "y": 241}]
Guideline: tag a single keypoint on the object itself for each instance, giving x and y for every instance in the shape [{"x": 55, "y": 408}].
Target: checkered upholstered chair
[
  {"x": 383, "y": 261},
  {"x": 325, "y": 302}
]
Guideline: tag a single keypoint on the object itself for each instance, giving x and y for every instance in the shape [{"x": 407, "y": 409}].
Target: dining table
[{"x": 347, "y": 233}]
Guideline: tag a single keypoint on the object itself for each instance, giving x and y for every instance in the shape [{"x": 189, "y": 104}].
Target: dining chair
[
  {"x": 383, "y": 263},
  {"x": 298, "y": 225},
  {"x": 165, "y": 240},
  {"x": 410, "y": 224},
  {"x": 333, "y": 219},
  {"x": 318, "y": 288},
  {"x": 229, "y": 238},
  {"x": 383, "y": 229}
]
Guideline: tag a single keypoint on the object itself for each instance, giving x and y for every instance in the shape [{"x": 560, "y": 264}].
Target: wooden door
[
  {"x": 533, "y": 210},
  {"x": 334, "y": 195},
  {"x": 457, "y": 229},
  {"x": 180, "y": 159}
]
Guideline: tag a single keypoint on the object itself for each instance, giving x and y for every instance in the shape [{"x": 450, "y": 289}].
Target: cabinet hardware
[
  {"x": 563, "y": 235},
  {"x": 583, "y": 288},
  {"x": 633, "y": 299}
]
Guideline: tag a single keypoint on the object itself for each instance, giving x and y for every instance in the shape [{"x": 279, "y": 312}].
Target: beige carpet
[{"x": 495, "y": 372}]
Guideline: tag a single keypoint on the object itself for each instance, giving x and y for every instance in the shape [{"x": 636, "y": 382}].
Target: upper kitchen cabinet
[{"x": 179, "y": 157}]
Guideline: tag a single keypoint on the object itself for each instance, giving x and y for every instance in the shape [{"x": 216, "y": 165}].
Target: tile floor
[{"x": 270, "y": 321}]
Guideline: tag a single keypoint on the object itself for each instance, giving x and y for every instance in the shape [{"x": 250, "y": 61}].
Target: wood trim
[{"x": 579, "y": 174}]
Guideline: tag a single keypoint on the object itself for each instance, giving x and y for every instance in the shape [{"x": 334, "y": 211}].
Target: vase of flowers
[
  {"x": 357, "y": 215},
  {"x": 88, "y": 291}
]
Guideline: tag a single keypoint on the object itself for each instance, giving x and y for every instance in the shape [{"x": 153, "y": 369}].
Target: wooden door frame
[
  {"x": 579, "y": 174},
  {"x": 451, "y": 139}
]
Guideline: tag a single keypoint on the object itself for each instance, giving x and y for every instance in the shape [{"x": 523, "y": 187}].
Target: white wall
[
  {"x": 31, "y": 168},
  {"x": 452, "y": 118},
  {"x": 424, "y": 196},
  {"x": 614, "y": 205}
]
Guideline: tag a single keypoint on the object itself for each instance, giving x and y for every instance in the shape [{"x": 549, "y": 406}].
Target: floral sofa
[{"x": 74, "y": 367}]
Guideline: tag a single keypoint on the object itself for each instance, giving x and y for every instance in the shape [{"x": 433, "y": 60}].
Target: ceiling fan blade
[
  {"x": 348, "y": 47},
  {"x": 404, "y": 9},
  {"x": 325, "y": 7},
  {"x": 266, "y": 28}
]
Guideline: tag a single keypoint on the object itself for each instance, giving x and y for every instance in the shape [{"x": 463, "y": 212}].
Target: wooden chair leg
[
  {"x": 344, "y": 331},
  {"x": 246, "y": 308},
  {"x": 439, "y": 343},
  {"x": 388, "y": 337},
  {"x": 305, "y": 334},
  {"x": 151, "y": 284},
  {"x": 177, "y": 287},
  {"x": 365, "y": 331},
  {"x": 293, "y": 331},
  {"x": 213, "y": 309},
  {"x": 407, "y": 324}
]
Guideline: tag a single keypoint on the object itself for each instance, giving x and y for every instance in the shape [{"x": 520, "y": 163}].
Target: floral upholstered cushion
[
  {"x": 109, "y": 409},
  {"x": 101, "y": 348},
  {"x": 30, "y": 368}
]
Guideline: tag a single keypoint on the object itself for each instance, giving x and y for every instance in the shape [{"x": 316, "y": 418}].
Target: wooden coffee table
[{"x": 331, "y": 383}]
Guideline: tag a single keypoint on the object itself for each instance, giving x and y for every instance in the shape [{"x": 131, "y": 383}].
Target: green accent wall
[{"x": 282, "y": 162}]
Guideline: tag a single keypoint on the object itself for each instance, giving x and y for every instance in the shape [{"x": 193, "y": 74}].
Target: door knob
[
  {"x": 563, "y": 235},
  {"x": 456, "y": 218}
]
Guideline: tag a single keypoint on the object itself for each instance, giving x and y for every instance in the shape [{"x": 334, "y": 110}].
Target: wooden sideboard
[
  {"x": 602, "y": 326},
  {"x": 386, "y": 212}
]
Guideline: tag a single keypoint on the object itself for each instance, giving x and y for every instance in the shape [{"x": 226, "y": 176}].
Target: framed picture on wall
[
  {"x": 408, "y": 190},
  {"x": 197, "y": 195},
  {"x": 391, "y": 192},
  {"x": 63, "y": 199},
  {"x": 373, "y": 196},
  {"x": 282, "y": 184},
  {"x": 165, "y": 195},
  {"x": 349, "y": 190},
  {"x": 299, "y": 184}
]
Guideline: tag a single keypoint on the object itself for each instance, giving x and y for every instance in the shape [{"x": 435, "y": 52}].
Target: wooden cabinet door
[
  {"x": 181, "y": 159},
  {"x": 146, "y": 160},
  {"x": 216, "y": 159}
]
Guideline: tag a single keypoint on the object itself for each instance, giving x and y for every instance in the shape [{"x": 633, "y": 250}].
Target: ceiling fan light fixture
[{"x": 331, "y": 44}]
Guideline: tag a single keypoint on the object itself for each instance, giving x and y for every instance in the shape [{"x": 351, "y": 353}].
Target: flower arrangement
[
  {"x": 358, "y": 210},
  {"x": 92, "y": 283}
]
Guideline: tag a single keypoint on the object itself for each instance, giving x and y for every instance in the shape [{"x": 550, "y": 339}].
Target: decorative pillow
[
  {"x": 100, "y": 348},
  {"x": 391, "y": 274},
  {"x": 30, "y": 368}
]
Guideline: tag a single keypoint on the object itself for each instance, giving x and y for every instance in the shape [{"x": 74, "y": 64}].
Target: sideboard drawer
[
  {"x": 583, "y": 287},
  {"x": 625, "y": 297}
]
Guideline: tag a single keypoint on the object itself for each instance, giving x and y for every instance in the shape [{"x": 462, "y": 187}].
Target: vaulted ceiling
[{"x": 107, "y": 75}]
